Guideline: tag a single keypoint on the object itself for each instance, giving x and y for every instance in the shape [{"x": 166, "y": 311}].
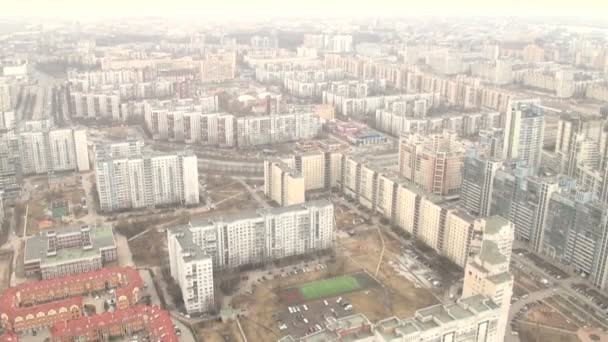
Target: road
[
  {"x": 517, "y": 306},
  {"x": 561, "y": 286},
  {"x": 253, "y": 193}
]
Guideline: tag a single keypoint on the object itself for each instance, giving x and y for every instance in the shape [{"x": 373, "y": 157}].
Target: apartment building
[
  {"x": 282, "y": 183},
  {"x": 53, "y": 150},
  {"x": 5, "y": 97},
  {"x": 94, "y": 105},
  {"x": 145, "y": 180},
  {"x": 7, "y": 120},
  {"x": 524, "y": 200},
  {"x": 432, "y": 162},
  {"x": 297, "y": 125},
  {"x": 464, "y": 124},
  {"x": 10, "y": 161},
  {"x": 249, "y": 238},
  {"x": 69, "y": 250},
  {"x": 478, "y": 182},
  {"x": 2, "y": 210},
  {"x": 218, "y": 67},
  {"x": 192, "y": 268},
  {"x": 192, "y": 127},
  {"x": 487, "y": 274},
  {"x": 89, "y": 80},
  {"x": 498, "y": 72},
  {"x": 576, "y": 234},
  {"x": 337, "y": 43},
  {"x": 524, "y": 130}
]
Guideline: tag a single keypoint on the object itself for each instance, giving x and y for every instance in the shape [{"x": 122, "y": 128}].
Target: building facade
[
  {"x": 251, "y": 238},
  {"x": 433, "y": 162},
  {"x": 53, "y": 150},
  {"x": 145, "y": 180},
  {"x": 69, "y": 250}
]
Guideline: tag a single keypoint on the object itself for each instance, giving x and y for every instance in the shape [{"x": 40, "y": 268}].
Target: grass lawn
[{"x": 329, "y": 287}]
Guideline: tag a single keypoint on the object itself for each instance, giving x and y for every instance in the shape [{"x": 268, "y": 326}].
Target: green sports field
[{"x": 329, "y": 287}]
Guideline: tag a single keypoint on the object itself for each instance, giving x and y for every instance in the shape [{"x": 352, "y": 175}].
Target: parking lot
[
  {"x": 547, "y": 267},
  {"x": 304, "y": 319},
  {"x": 593, "y": 295}
]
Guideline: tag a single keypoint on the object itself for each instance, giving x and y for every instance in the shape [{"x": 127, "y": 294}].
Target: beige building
[
  {"x": 487, "y": 273},
  {"x": 217, "y": 67},
  {"x": 459, "y": 230},
  {"x": 283, "y": 184},
  {"x": 433, "y": 162}
]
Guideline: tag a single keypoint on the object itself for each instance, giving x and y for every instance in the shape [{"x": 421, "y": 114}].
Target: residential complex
[
  {"x": 283, "y": 184},
  {"x": 49, "y": 302},
  {"x": 479, "y": 315},
  {"x": 271, "y": 129},
  {"x": 69, "y": 250},
  {"x": 250, "y": 238},
  {"x": 432, "y": 162},
  {"x": 469, "y": 319},
  {"x": 151, "y": 321},
  {"x": 217, "y": 67},
  {"x": 438, "y": 221},
  {"x": 53, "y": 150},
  {"x": 524, "y": 132},
  {"x": 144, "y": 180}
]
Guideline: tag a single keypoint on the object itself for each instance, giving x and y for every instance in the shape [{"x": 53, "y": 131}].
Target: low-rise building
[
  {"x": 151, "y": 321},
  {"x": 44, "y": 303},
  {"x": 69, "y": 250}
]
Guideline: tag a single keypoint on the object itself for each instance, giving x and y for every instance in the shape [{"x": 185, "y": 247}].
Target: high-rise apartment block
[
  {"x": 487, "y": 274},
  {"x": 192, "y": 269},
  {"x": 5, "y": 97},
  {"x": 478, "y": 182},
  {"x": 250, "y": 238},
  {"x": 438, "y": 221},
  {"x": 524, "y": 129},
  {"x": 53, "y": 150},
  {"x": 432, "y": 162},
  {"x": 576, "y": 234},
  {"x": 524, "y": 200},
  {"x": 145, "y": 180},
  {"x": 10, "y": 161},
  {"x": 282, "y": 183}
]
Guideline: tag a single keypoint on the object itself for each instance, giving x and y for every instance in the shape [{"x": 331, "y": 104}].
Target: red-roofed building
[
  {"x": 149, "y": 320},
  {"x": 9, "y": 337},
  {"x": 44, "y": 303}
]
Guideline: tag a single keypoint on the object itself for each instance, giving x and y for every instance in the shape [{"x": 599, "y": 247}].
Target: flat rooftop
[{"x": 100, "y": 237}]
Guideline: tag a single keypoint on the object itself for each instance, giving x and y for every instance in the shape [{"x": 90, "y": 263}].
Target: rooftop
[
  {"x": 43, "y": 247},
  {"x": 491, "y": 254},
  {"x": 494, "y": 224}
]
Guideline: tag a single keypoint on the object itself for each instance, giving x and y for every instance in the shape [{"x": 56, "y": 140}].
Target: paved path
[{"x": 253, "y": 193}]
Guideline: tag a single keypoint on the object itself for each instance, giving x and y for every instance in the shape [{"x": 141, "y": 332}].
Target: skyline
[{"x": 277, "y": 8}]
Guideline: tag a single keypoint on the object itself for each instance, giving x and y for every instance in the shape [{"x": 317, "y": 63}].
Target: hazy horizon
[{"x": 318, "y": 8}]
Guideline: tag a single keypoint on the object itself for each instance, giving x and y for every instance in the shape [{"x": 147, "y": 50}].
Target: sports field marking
[{"x": 329, "y": 287}]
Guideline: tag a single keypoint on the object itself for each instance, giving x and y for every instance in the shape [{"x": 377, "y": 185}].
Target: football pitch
[{"x": 329, "y": 287}]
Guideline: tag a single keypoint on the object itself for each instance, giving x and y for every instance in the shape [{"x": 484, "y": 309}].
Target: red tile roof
[
  {"x": 10, "y": 304},
  {"x": 156, "y": 322},
  {"x": 9, "y": 337}
]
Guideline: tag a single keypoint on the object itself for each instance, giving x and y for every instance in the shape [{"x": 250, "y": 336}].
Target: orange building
[
  {"x": 151, "y": 320},
  {"x": 44, "y": 303}
]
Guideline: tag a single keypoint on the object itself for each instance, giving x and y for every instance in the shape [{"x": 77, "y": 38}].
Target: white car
[{"x": 305, "y": 307}]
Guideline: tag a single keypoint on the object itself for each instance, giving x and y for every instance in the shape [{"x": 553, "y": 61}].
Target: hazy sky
[{"x": 256, "y": 8}]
